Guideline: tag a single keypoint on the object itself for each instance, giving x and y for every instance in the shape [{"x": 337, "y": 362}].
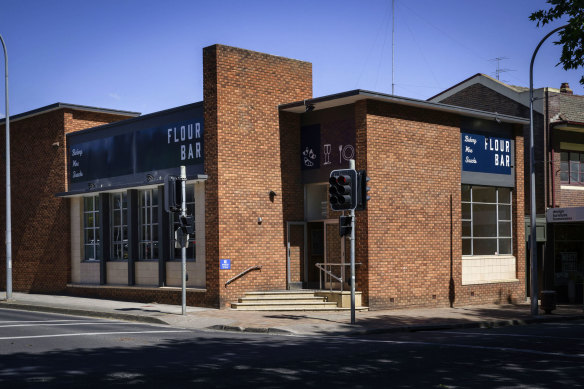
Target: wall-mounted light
[
  {"x": 272, "y": 195},
  {"x": 308, "y": 107},
  {"x": 260, "y": 220},
  {"x": 55, "y": 145}
]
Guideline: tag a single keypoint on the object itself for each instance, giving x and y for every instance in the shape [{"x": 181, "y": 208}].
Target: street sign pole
[
  {"x": 352, "y": 166},
  {"x": 183, "y": 212}
]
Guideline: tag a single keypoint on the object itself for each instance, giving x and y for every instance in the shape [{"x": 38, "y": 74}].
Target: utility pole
[{"x": 8, "y": 199}]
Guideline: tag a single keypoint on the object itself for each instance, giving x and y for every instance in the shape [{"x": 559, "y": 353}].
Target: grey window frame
[
  {"x": 117, "y": 245},
  {"x": 498, "y": 236},
  {"x": 148, "y": 211},
  {"x": 95, "y": 244}
]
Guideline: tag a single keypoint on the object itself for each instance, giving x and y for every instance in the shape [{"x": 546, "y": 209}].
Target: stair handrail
[
  {"x": 321, "y": 267},
  {"x": 257, "y": 267}
]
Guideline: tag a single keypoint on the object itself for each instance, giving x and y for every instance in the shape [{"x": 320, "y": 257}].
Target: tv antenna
[{"x": 499, "y": 69}]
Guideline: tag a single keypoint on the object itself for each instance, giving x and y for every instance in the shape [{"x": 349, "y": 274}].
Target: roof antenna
[{"x": 499, "y": 69}]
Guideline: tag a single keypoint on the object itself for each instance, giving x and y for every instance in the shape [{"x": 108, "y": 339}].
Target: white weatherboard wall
[{"x": 484, "y": 269}]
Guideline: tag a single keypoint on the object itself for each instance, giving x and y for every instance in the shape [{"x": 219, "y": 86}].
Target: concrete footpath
[{"x": 293, "y": 322}]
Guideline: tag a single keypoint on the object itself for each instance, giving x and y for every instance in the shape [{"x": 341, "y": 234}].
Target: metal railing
[
  {"x": 326, "y": 270},
  {"x": 242, "y": 274}
]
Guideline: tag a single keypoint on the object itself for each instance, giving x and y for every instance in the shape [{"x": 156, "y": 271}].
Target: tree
[{"x": 571, "y": 37}]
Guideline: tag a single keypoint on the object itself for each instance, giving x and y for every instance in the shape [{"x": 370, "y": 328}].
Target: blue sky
[{"x": 145, "y": 56}]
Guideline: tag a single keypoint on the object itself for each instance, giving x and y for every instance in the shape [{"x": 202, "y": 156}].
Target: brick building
[
  {"x": 559, "y": 155},
  {"x": 444, "y": 226}
]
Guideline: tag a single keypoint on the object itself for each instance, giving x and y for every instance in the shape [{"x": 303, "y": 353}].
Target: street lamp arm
[{"x": 533, "y": 209}]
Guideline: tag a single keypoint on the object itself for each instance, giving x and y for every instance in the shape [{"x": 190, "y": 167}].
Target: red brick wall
[
  {"x": 40, "y": 221},
  {"x": 242, "y": 91},
  {"x": 413, "y": 247}
]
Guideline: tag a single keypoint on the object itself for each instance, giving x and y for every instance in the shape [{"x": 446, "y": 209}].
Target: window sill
[{"x": 572, "y": 187}]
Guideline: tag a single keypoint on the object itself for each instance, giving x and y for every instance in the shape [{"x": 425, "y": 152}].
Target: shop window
[
  {"x": 148, "y": 224},
  {"x": 175, "y": 253},
  {"x": 119, "y": 227},
  {"x": 91, "y": 232},
  {"x": 486, "y": 220},
  {"x": 572, "y": 167}
]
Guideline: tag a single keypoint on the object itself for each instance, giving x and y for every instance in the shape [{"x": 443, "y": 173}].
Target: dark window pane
[
  {"x": 465, "y": 193},
  {"x": 504, "y": 212},
  {"x": 564, "y": 156},
  {"x": 484, "y": 246},
  {"x": 483, "y": 194},
  {"x": 466, "y": 231},
  {"x": 466, "y": 247},
  {"x": 505, "y": 229},
  {"x": 484, "y": 220},
  {"x": 505, "y": 246},
  {"x": 466, "y": 211},
  {"x": 574, "y": 156},
  {"x": 574, "y": 171},
  {"x": 564, "y": 172},
  {"x": 504, "y": 196},
  {"x": 89, "y": 252}
]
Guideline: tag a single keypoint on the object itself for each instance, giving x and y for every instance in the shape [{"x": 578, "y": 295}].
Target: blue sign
[
  {"x": 225, "y": 264},
  {"x": 486, "y": 154}
]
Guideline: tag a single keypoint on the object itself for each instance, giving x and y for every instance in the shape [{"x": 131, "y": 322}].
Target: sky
[{"x": 146, "y": 56}]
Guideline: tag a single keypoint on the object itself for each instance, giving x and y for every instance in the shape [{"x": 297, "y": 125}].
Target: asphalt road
[{"x": 47, "y": 350}]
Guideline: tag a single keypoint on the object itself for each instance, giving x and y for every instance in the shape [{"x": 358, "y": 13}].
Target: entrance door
[
  {"x": 316, "y": 253},
  {"x": 296, "y": 254}
]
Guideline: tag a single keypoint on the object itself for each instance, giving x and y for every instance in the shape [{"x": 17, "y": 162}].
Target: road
[{"x": 49, "y": 350}]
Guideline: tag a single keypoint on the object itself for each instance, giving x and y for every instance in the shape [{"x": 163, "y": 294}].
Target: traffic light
[
  {"x": 172, "y": 194},
  {"x": 343, "y": 189},
  {"x": 362, "y": 196},
  {"x": 187, "y": 224},
  {"x": 344, "y": 225}
]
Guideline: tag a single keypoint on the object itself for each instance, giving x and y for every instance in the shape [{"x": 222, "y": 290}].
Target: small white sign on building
[{"x": 562, "y": 215}]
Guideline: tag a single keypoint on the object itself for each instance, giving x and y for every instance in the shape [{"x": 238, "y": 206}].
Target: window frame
[
  {"x": 499, "y": 220},
  {"x": 568, "y": 163},
  {"x": 93, "y": 215},
  {"x": 147, "y": 213},
  {"x": 121, "y": 245}
]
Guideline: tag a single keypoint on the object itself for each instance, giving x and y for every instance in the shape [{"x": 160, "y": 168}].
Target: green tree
[{"x": 571, "y": 37}]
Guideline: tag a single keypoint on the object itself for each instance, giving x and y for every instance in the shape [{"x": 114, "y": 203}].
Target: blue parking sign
[{"x": 225, "y": 264}]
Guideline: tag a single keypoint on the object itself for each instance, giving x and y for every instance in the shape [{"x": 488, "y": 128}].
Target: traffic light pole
[
  {"x": 352, "y": 166},
  {"x": 183, "y": 212}
]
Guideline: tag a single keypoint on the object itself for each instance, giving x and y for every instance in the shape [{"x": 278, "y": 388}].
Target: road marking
[
  {"x": 512, "y": 335},
  {"x": 65, "y": 324},
  {"x": 491, "y": 348},
  {"x": 38, "y": 321},
  {"x": 91, "y": 334}
]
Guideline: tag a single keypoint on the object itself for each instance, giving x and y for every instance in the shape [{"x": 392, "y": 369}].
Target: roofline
[
  {"x": 364, "y": 94},
  {"x": 134, "y": 119},
  {"x": 57, "y": 106},
  {"x": 566, "y": 122},
  {"x": 454, "y": 86}
]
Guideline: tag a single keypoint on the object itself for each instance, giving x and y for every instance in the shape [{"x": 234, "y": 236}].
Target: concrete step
[
  {"x": 280, "y": 300},
  {"x": 284, "y": 294},
  {"x": 284, "y": 306}
]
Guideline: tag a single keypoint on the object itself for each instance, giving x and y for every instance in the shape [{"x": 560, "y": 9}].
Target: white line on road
[
  {"x": 91, "y": 334},
  {"x": 65, "y": 324},
  {"x": 37, "y": 321},
  {"x": 501, "y": 334},
  {"x": 470, "y": 346}
]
